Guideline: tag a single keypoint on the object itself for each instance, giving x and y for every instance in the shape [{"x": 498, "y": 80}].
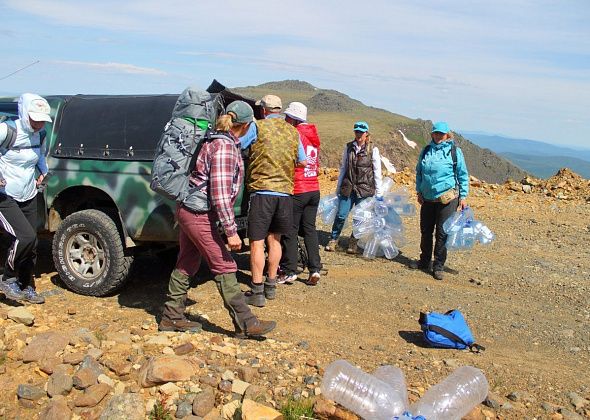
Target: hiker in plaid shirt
[{"x": 219, "y": 171}]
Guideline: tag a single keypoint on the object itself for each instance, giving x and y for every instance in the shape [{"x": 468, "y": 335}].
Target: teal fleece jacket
[{"x": 434, "y": 172}]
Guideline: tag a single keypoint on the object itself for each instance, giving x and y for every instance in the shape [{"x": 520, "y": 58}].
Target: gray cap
[{"x": 240, "y": 112}]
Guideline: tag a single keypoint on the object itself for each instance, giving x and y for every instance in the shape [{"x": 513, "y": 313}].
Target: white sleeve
[
  {"x": 3, "y": 132},
  {"x": 342, "y": 171},
  {"x": 377, "y": 172}
]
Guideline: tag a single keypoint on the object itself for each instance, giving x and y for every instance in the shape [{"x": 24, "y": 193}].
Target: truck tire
[{"x": 88, "y": 254}]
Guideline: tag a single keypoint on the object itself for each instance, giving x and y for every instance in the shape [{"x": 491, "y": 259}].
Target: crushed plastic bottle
[
  {"x": 360, "y": 392},
  {"x": 454, "y": 397}
]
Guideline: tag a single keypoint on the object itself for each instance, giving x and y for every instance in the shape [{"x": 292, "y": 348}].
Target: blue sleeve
[
  {"x": 301, "y": 156},
  {"x": 419, "y": 172},
  {"x": 250, "y": 137},
  {"x": 462, "y": 175},
  {"x": 42, "y": 162}
]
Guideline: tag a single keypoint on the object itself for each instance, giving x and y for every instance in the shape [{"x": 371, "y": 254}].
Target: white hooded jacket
[{"x": 17, "y": 166}]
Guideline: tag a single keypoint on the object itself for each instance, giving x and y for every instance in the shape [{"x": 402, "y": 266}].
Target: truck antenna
[{"x": 21, "y": 69}]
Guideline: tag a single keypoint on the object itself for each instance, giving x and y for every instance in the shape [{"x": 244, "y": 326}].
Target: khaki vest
[{"x": 273, "y": 157}]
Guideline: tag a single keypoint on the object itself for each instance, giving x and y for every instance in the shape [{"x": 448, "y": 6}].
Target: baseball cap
[
  {"x": 297, "y": 111},
  {"x": 440, "y": 127},
  {"x": 270, "y": 102},
  {"x": 39, "y": 110},
  {"x": 361, "y": 126},
  {"x": 240, "y": 112}
]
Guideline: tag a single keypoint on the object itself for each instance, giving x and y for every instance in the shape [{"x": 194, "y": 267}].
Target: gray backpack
[{"x": 179, "y": 146}]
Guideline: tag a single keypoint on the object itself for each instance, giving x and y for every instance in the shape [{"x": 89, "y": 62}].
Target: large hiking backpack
[
  {"x": 448, "y": 330},
  {"x": 179, "y": 146}
]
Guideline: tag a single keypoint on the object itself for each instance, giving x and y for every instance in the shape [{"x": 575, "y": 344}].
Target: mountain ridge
[{"x": 334, "y": 114}]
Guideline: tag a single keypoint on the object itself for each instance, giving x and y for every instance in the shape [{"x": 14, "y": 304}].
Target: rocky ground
[{"x": 525, "y": 298}]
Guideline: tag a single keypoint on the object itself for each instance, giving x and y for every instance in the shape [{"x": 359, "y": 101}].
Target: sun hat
[
  {"x": 270, "y": 102},
  {"x": 361, "y": 126},
  {"x": 297, "y": 111},
  {"x": 39, "y": 110},
  {"x": 240, "y": 112},
  {"x": 440, "y": 127}
]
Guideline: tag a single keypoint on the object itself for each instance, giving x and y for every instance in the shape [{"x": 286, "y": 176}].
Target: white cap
[
  {"x": 297, "y": 111},
  {"x": 39, "y": 110}
]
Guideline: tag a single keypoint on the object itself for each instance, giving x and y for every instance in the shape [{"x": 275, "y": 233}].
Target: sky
[{"x": 519, "y": 68}]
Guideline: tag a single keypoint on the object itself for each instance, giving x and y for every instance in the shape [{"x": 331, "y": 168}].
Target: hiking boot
[
  {"x": 419, "y": 265},
  {"x": 438, "y": 274},
  {"x": 332, "y": 245},
  {"x": 11, "y": 290},
  {"x": 255, "y": 296},
  {"x": 352, "y": 246},
  {"x": 180, "y": 325},
  {"x": 270, "y": 289},
  {"x": 30, "y": 295},
  {"x": 286, "y": 278},
  {"x": 313, "y": 279},
  {"x": 260, "y": 327}
]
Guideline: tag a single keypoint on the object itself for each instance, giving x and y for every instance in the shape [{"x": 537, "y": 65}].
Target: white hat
[
  {"x": 39, "y": 110},
  {"x": 297, "y": 111}
]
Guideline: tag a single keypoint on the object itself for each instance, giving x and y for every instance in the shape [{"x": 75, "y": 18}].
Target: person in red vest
[{"x": 306, "y": 199}]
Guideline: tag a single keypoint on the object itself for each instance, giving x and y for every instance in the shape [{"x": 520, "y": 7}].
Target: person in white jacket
[
  {"x": 21, "y": 158},
  {"x": 359, "y": 178}
]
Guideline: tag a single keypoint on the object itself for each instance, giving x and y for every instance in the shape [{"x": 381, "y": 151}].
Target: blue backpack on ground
[{"x": 448, "y": 330}]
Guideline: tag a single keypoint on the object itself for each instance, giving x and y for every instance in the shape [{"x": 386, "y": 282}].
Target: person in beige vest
[{"x": 275, "y": 150}]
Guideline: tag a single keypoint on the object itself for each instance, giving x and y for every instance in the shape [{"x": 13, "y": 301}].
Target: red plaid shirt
[{"x": 220, "y": 169}]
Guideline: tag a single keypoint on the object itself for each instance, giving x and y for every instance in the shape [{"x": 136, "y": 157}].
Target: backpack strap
[
  {"x": 454, "y": 157},
  {"x": 10, "y": 138}
]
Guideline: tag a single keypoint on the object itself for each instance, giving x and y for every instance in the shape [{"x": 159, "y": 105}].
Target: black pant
[
  {"x": 305, "y": 210},
  {"x": 19, "y": 220},
  {"x": 433, "y": 215}
]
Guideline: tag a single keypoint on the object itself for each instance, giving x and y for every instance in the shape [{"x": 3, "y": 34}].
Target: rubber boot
[
  {"x": 234, "y": 301},
  {"x": 270, "y": 288},
  {"x": 255, "y": 296},
  {"x": 173, "y": 318}
]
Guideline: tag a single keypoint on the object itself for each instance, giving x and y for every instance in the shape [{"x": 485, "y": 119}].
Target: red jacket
[{"x": 306, "y": 179}]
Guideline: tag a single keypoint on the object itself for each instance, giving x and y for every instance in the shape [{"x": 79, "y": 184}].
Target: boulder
[
  {"x": 57, "y": 409},
  {"x": 168, "y": 368},
  {"x": 45, "y": 345},
  {"x": 204, "y": 402},
  {"x": 253, "y": 411},
  {"x": 124, "y": 407},
  {"x": 59, "y": 384},
  {"x": 92, "y": 396},
  {"x": 21, "y": 315}
]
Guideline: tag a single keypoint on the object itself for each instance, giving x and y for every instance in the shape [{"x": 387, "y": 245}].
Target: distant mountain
[
  {"x": 334, "y": 113},
  {"x": 501, "y": 144},
  {"x": 547, "y": 166}
]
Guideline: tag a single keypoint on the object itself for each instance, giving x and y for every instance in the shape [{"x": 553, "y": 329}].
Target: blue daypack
[{"x": 448, "y": 330}]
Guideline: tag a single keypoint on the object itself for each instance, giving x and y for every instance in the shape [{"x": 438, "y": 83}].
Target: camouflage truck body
[{"x": 98, "y": 204}]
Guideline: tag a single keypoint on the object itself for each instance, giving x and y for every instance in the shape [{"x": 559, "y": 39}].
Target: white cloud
[{"x": 115, "y": 67}]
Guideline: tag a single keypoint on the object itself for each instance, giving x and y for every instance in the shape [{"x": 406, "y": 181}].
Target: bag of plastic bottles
[
  {"x": 464, "y": 231},
  {"x": 328, "y": 208}
]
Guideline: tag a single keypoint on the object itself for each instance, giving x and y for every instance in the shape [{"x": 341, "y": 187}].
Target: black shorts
[{"x": 269, "y": 214}]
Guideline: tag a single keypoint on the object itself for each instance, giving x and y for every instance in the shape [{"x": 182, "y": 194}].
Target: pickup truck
[{"x": 98, "y": 204}]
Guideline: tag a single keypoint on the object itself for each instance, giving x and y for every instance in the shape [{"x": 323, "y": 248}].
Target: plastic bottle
[
  {"x": 360, "y": 392},
  {"x": 454, "y": 397},
  {"x": 368, "y": 227},
  {"x": 381, "y": 209},
  {"x": 371, "y": 247},
  {"x": 483, "y": 234},
  {"x": 388, "y": 246},
  {"x": 386, "y": 184},
  {"x": 394, "y": 377}
]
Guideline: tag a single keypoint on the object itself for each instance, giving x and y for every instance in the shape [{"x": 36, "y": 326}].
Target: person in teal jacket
[{"x": 442, "y": 185}]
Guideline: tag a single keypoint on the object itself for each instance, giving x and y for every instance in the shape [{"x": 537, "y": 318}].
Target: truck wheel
[{"x": 88, "y": 253}]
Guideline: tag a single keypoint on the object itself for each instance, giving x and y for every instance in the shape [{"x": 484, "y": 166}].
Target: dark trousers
[
  {"x": 19, "y": 221},
  {"x": 305, "y": 210},
  {"x": 433, "y": 215}
]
